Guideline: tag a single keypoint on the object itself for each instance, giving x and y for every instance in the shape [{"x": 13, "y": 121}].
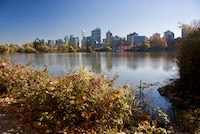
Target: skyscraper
[
  {"x": 66, "y": 40},
  {"x": 183, "y": 33},
  {"x": 108, "y": 37},
  {"x": 73, "y": 41},
  {"x": 83, "y": 40},
  {"x": 83, "y": 34},
  {"x": 96, "y": 36},
  {"x": 168, "y": 35},
  {"x": 130, "y": 38}
]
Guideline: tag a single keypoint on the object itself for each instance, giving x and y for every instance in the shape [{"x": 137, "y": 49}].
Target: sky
[{"x": 23, "y": 21}]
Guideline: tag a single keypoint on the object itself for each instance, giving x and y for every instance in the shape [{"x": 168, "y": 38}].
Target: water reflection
[
  {"x": 130, "y": 66},
  {"x": 112, "y": 62}
]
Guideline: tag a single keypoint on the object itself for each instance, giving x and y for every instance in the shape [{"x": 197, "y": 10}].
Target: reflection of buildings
[{"x": 96, "y": 61}]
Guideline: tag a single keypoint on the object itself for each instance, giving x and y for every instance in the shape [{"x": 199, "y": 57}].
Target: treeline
[{"x": 37, "y": 48}]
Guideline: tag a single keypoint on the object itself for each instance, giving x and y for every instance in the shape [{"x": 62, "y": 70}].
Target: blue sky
[{"x": 23, "y": 21}]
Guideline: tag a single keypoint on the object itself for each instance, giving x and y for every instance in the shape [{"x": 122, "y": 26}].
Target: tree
[
  {"x": 38, "y": 45},
  {"x": 188, "y": 59},
  {"x": 28, "y": 48},
  {"x": 145, "y": 46},
  {"x": 4, "y": 49},
  {"x": 72, "y": 49},
  {"x": 63, "y": 48},
  {"x": 158, "y": 43}
]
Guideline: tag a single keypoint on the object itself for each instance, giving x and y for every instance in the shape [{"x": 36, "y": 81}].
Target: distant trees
[
  {"x": 4, "y": 49},
  {"x": 145, "y": 46},
  {"x": 28, "y": 48},
  {"x": 158, "y": 43},
  {"x": 37, "y": 46}
]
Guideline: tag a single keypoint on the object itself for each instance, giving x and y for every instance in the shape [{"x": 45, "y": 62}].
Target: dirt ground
[{"x": 11, "y": 118}]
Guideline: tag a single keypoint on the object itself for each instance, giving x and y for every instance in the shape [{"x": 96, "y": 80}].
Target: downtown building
[
  {"x": 168, "y": 36},
  {"x": 51, "y": 43},
  {"x": 108, "y": 38},
  {"x": 134, "y": 39},
  {"x": 74, "y": 41},
  {"x": 96, "y": 38}
]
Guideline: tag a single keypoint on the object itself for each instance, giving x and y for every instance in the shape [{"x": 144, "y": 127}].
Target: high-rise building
[
  {"x": 51, "y": 43},
  {"x": 96, "y": 36},
  {"x": 73, "y": 41},
  {"x": 83, "y": 34},
  {"x": 183, "y": 33},
  {"x": 59, "y": 42},
  {"x": 83, "y": 40},
  {"x": 156, "y": 35},
  {"x": 108, "y": 37},
  {"x": 135, "y": 39},
  {"x": 66, "y": 40},
  {"x": 130, "y": 38},
  {"x": 138, "y": 40},
  {"x": 115, "y": 42},
  {"x": 168, "y": 35}
]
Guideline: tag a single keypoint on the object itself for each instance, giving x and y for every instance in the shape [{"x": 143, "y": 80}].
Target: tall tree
[{"x": 188, "y": 58}]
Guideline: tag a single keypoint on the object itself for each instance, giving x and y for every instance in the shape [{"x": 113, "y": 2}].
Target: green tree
[
  {"x": 39, "y": 45},
  {"x": 145, "y": 46}
]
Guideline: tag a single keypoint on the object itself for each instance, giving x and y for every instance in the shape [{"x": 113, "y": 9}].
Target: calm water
[{"x": 131, "y": 67}]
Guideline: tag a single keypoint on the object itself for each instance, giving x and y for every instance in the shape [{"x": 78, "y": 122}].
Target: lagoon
[{"x": 131, "y": 67}]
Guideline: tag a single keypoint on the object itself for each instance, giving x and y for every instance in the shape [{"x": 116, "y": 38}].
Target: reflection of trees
[
  {"x": 92, "y": 60},
  {"x": 96, "y": 61},
  {"x": 73, "y": 60},
  {"x": 39, "y": 60},
  {"x": 108, "y": 59},
  {"x": 136, "y": 60},
  {"x": 162, "y": 59},
  {"x": 169, "y": 62}
]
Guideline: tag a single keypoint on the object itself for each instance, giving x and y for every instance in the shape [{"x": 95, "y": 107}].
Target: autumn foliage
[{"x": 81, "y": 101}]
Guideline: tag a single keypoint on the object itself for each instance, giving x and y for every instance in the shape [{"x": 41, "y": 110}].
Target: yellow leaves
[
  {"x": 75, "y": 99},
  {"x": 72, "y": 102},
  {"x": 3, "y": 64},
  {"x": 84, "y": 97}
]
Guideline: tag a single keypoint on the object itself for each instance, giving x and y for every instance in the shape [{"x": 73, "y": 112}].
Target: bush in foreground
[{"x": 81, "y": 101}]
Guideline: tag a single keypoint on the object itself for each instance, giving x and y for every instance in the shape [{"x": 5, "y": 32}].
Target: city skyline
[{"x": 23, "y": 21}]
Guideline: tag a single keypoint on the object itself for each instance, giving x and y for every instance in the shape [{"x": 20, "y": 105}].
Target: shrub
[{"x": 82, "y": 101}]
